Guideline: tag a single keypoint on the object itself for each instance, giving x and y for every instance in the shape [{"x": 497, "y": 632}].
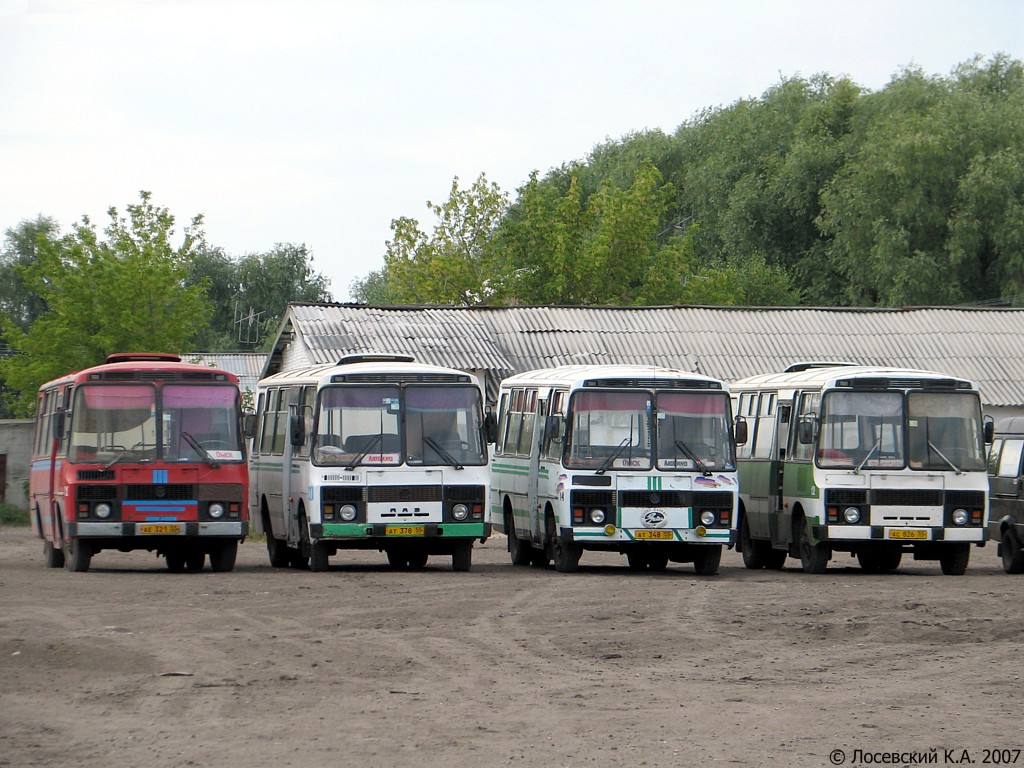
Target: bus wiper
[
  {"x": 203, "y": 453},
  {"x": 615, "y": 454},
  {"x": 693, "y": 457},
  {"x": 123, "y": 453},
  {"x": 442, "y": 452},
  {"x": 943, "y": 457},
  {"x": 874, "y": 448},
  {"x": 366, "y": 449}
]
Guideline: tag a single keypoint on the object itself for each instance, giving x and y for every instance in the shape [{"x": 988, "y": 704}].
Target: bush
[{"x": 12, "y": 515}]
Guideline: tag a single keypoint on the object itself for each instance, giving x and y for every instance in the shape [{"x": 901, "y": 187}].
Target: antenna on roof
[{"x": 248, "y": 325}]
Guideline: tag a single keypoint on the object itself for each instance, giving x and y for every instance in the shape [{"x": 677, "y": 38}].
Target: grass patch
[{"x": 11, "y": 515}]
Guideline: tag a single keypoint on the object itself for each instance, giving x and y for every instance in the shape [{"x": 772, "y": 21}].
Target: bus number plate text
[
  {"x": 403, "y": 530},
  {"x": 902, "y": 534},
  {"x": 163, "y": 528},
  {"x": 660, "y": 535}
]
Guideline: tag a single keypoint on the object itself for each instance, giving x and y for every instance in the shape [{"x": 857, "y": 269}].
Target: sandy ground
[{"x": 129, "y": 665}]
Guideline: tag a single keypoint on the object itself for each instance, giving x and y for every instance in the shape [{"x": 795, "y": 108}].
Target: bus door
[
  {"x": 778, "y": 515},
  {"x": 533, "y": 486}
]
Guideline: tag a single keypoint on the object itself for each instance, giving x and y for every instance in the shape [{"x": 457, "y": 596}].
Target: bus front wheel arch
[{"x": 813, "y": 557}]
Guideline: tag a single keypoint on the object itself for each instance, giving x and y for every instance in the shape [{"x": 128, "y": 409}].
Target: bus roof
[
  {"x": 322, "y": 373},
  {"x": 567, "y": 375},
  {"x": 143, "y": 368},
  {"x": 819, "y": 376}
]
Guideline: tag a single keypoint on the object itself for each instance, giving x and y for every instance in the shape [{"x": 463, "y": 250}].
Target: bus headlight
[
  {"x": 707, "y": 517},
  {"x": 460, "y": 511},
  {"x": 597, "y": 516},
  {"x": 215, "y": 510},
  {"x": 851, "y": 515},
  {"x": 102, "y": 510},
  {"x": 348, "y": 513},
  {"x": 961, "y": 517}
]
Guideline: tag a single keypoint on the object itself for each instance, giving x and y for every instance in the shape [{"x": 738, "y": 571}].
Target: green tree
[
  {"x": 19, "y": 304},
  {"x": 126, "y": 291}
]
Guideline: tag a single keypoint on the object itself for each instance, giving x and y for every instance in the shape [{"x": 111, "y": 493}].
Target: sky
[{"x": 296, "y": 121}]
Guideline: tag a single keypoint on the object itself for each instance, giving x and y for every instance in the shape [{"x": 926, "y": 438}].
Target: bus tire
[
  {"x": 813, "y": 557},
  {"x": 881, "y": 560},
  {"x": 318, "y": 557},
  {"x": 54, "y": 557},
  {"x": 637, "y": 560},
  {"x": 398, "y": 558},
  {"x": 277, "y": 549},
  {"x": 175, "y": 560},
  {"x": 954, "y": 558},
  {"x": 418, "y": 559},
  {"x": 195, "y": 558},
  {"x": 658, "y": 561},
  {"x": 462, "y": 556},
  {"x": 518, "y": 550},
  {"x": 1011, "y": 553},
  {"x": 223, "y": 556},
  {"x": 566, "y": 556},
  {"x": 77, "y": 555},
  {"x": 756, "y": 554},
  {"x": 299, "y": 557},
  {"x": 706, "y": 559}
]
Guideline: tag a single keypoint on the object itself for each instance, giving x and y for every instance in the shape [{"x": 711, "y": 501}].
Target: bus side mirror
[
  {"x": 989, "y": 430},
  {"x": 249, "y": 425},
  {"x": 805, "y": 432},
  {"x": 58, "y": 424},
  {"x": 740, "y": 431},
  {"x": 553, "y": 429},
  {"x": 296, "y": 429},
  {"x": 490, "y": 427}
]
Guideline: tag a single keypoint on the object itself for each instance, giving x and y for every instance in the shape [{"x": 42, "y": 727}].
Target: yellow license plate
[
  {"x": 403, "y": 530},
  {"x": 661, "y": 535},
  {"x": 901, "y": 534},
  {"x": 163, "y": 528}
]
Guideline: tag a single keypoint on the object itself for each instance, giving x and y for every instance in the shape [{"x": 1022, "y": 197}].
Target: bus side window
[
  {"x": 809, "y": 408},
  {"x": 554, "y": 429}
]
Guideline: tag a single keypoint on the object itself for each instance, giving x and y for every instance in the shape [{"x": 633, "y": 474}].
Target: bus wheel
[
  {"x": 637, "y": 560},
  {"x": 813, "y": 557},
  {"x": 658, "y": 561},
  {"x": 55, "y": 557},
  {"x": 175, "y": 560},
  {"x": 299, "y": 557},
  {"x": 884, "y": 560},
  {"x": 756, "y": 554},
  {"x": 418, "y": 560},
  {"x": 954, "y": 559},
  {"x": 539, "y": 558},
  {"x": 706, "y": 559},
  {"x": 195, "y": 558},
  {"x": 566, "y": 556},
  {"x": 223, "y": 556},
  {"x": 1012, "y": 554},
  {"x": 398, "y": 558},
  {"x": 518, "y": 550},
  {"x": 277, "y": 549},
  {"x": 77, "y": 555},
  {"x": 462, "y": 556},
  {"x": 318, "y": 556}
]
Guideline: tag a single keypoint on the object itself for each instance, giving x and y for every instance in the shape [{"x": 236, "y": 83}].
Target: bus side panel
[{"x": 756, "y": 478}]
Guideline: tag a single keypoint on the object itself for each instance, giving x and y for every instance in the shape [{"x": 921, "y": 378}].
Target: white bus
[
  {"x": 631, "y": 459},
  {"x": 876, "y": 462},
  {"x": 376, "y": 452}
]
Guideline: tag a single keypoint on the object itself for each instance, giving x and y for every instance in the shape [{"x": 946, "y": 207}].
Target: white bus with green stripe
[
  {"x": 870, "y": 462},
  {"x": 374, "y": 452},
  {"x": 631, "y": 459}
]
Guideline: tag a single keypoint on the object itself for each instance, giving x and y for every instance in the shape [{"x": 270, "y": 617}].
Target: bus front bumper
[
  {"x": 230, "y": 529},
  {"x": 899, "y": 535},
  {"x": 329, "y": 531}
]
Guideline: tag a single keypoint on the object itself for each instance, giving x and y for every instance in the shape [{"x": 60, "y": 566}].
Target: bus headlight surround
[
  {"x": 215, "y": 510},
  {"x": 851, "y": 515},
  {"x": 708, "y": 517},
  {"x": 103, "y": 510},
  {"x": 348, "y": 513},
  {"x": 961, "y": 516},
  {"x": 460, "y": 511},
  {"x": 597, "y": 516}
]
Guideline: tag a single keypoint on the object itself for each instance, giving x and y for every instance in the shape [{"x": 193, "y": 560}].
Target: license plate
[
  {"x": 645, "y": 534},
  {"x": 902, "y": 534},
  {"x": 403, "y": 530},
  {"x": 163, "y": 528}
]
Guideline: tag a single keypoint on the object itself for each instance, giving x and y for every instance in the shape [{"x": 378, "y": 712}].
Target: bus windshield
[
  {"x": 609, "y": 430},
  {"x": 133, "y": 422},
  {"x": 693, "y": 431},
  {"x": 880, "y": 430},
  {"x": 364, "y": 426}
]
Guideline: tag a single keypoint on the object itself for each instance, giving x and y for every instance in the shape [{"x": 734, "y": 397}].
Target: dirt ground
[{"x": 129, "y": 665}]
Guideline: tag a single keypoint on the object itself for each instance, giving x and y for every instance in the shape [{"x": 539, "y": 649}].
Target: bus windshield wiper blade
[
  {"x": 366, "y": 449},
  {"x": 874, "y": 448},
  {"x": 122, "y": 454},
  {"x": 945, "y": 458},
  {"x": 611, "y": 459},
  {"x": 442, "y": 452},
  {"x": 692, "y": 457},
  {"x": 203, "y": 453}
]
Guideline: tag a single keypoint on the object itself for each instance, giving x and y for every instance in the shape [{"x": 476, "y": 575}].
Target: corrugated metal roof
[
  {"x": 247, "y": 366},
  {"x": 730, "y": 343}
]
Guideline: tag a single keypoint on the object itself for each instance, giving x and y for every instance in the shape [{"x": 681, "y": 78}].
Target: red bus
[{"x": 142, "y": 452}]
